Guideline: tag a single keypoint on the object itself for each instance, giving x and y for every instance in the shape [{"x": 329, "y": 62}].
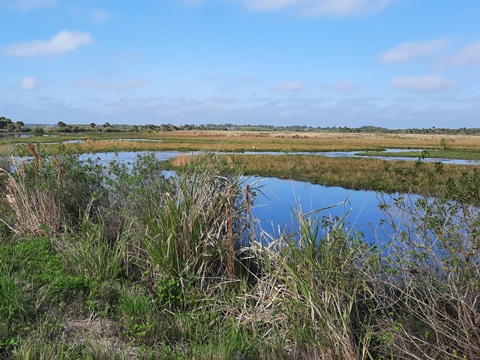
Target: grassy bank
[
  {"x": 111, "y": 262},
  {"x": 434, "y": 154},
  {"x": 351, "y": 173}
]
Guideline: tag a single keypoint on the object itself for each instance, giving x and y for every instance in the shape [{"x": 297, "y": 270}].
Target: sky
[{"x": 322, "y": 63}]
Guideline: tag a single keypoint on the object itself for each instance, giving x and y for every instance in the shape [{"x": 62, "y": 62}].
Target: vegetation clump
[{"x": 129, "y": 261}]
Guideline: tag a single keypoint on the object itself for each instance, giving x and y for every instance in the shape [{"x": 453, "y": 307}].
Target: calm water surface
[{"x": 277, "y": 200}]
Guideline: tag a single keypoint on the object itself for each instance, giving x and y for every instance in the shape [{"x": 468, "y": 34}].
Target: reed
[
  {"x": 36, "y": 212},
  {"x": 194, "y": 226},
  {"x": 46, "y": 194}
]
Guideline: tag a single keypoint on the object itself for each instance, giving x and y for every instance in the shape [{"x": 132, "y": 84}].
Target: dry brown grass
[
  {"x": 318, "y": 141},
  {"x": 265, "y": 141},
  {"x": 182, "y": 160},
  {"x": 36, "y": 212}
]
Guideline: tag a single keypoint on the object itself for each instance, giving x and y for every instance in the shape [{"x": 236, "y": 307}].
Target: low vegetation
[
  {"x": 117, "y": 261},
  {"x": 451, "y": 146}
]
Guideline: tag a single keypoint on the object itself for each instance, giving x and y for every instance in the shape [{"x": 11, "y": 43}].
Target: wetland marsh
[{"x": 198, "y": 265}]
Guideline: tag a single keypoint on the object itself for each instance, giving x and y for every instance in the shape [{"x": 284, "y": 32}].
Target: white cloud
[
  {"x": 319, "y": 7},
  {"x": 28, "y": 83},
  {"x": 99, "y": 15},
  {"x": 346, "y": 86},
  {"x": 412, "y": 50},
  {"x": 26, "y": 5},
  {"x": 110, "y": 86},
  {"x": 469, "y": 55},
  {"x": 63, "y": 41},
  {"x": 290, "y": 86},
  {"x": 428, "y": 83}
]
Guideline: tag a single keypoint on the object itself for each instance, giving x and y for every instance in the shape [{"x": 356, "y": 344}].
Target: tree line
[{"x": 8, "y": 125}]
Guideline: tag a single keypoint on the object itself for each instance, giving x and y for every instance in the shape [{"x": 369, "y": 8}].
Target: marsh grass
[
  {"x": 433, "y": 153},
  {"x": 192, "y": 229},
  {"x": 37, "y": 212},
  {"x": 240, "y": 141},
  {"x": 352, "y": 173},
  {"x": 321, "y": 141}
]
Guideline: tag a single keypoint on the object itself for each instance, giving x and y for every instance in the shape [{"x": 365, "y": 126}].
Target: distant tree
[
  {"x": 4, "y": 121},
  {"x": 107, "y": 124},
  {"x": 38, "y": 130},
  {"x": 93, "y": 125},
  {"x": 19, "y": 125},
  {"x": 61, "y": 124}
]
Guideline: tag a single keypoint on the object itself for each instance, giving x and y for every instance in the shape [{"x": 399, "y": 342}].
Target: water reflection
[
  {"x": 277, "y": 201},
  {"x": 129, "y": 156},
  {"x": 356, "y": 154}
]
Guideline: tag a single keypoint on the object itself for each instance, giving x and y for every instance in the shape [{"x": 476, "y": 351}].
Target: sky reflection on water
[{"x": 278, "y": 200}]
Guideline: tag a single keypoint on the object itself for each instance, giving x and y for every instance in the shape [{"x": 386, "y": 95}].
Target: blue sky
[{"x": 391, "y": 63}]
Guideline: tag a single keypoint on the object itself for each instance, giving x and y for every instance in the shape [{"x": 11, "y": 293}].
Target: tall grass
[
  {"x": 48, "y": 193},
  {"x": 192, "y": 228}
]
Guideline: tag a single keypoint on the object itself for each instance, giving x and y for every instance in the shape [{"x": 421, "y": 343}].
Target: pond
[{"x": 278, "y": 201}]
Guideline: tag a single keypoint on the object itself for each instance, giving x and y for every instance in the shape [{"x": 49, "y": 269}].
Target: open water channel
[{"x": 278, "y": 200}]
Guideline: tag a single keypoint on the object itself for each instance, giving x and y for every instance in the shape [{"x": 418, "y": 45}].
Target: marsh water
[{"x": 277, "y": 201}]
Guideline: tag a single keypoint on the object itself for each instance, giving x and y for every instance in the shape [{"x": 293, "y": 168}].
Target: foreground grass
[{"x": 117, "y": 262}]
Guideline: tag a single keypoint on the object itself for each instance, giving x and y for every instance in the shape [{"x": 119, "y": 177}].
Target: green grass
[
  {"x": 433, "y": 154},
  {"x": 353, "y": 173}
]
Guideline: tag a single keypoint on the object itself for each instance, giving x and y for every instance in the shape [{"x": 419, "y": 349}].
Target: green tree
[
  {"x": 19, "y": 125},
  {"x": 4, "y": 122}
]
